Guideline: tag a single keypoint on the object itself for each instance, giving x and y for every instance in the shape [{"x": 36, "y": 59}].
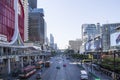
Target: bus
[
  {"x": 39, "y": 64},
  {"x": 47, "y": 64},
  {"x": 27, "y": 71}
]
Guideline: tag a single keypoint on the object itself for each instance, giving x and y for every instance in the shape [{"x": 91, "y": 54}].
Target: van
[{"x": 83, "y": 75}]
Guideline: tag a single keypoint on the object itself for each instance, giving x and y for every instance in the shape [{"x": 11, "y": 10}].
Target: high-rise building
[
  {"x": 37, "y": 26},
  {"x": 88, "y": 31},
  {"x": 25, "y": 5},
  {"x": 55, "y": 46},
  {"x": 32, "y": 3},
  {"x": 45, "y": 32},
  {"x": 99, "y": 30},
  {"x": 51, "y": 41},
  {"x": 75, "y": 45},
  {"x": 7, "y": 29},
  {"x": 51, "y": 38},
  {"x": 107, "y": 29},
  {"x": 11, "y": 22}
]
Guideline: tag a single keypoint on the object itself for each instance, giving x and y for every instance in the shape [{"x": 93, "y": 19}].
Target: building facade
[
  {"x": 7, "y": 20},
  {"x": 75, "y": 45},
  {"x": 88, "y": 31},
  {"x": 11, "y": 33},
  {"x": 37, "y": 26},
  {"x": 12, "y": 21},
  {"x": 25, "y": 5},
  {"x": 32, "y": 3},
  {"x": 107, "y": 29},
  {"x": 51, "y": 41}
]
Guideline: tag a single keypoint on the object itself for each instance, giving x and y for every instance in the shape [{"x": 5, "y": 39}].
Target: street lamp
[{"x": 114, "y": 63}]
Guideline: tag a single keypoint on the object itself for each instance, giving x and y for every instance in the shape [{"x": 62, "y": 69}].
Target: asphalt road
[{"x": 70, "y": 72}]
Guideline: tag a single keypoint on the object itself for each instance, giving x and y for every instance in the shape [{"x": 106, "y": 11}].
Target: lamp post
[
  {"x": 91, "y": 60},
  {"x": 114, "y": 63}
]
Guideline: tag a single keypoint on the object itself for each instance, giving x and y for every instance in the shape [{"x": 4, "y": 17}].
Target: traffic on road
[{"x": 58, "y": 68}]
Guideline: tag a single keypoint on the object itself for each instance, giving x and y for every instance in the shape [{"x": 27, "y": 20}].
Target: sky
[{"x": 65, "y": 17}]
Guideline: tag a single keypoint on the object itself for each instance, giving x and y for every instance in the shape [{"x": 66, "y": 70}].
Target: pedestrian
[
  {"x": 101, "y": 72},
  {"x": 40, "y": 70},
  {"x": 0, "y": 68}
]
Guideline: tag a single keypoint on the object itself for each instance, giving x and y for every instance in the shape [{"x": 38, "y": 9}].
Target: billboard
[
  {"x": 97, "y": 44},
  {"x": 87, "y": 46},
  {"x": 115, "y": 39}
]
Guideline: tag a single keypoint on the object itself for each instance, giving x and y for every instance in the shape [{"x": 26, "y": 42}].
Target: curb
[{"x": 93, "y": 75}]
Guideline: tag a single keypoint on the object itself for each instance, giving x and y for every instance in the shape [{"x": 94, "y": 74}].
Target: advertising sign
[
  {"x": 115, "y": 39},
  {"x": 88, "y": 45},
  {"x": 97, "y": 44},
  {"x": 92, "y": 47}
]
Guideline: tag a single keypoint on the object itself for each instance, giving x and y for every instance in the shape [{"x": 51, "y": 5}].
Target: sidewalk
[{"x": 96, "y": 74}]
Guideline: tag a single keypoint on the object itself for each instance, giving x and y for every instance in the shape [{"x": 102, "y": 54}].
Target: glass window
[
  {"x": 0, "y": 27},
  {"x": 0, "y": 18},
  {"x": 3, "y": 20},
  {"x": 8, "y": 22}
]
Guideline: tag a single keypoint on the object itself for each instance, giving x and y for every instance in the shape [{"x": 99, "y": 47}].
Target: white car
[{"x": 83, "y": 75}]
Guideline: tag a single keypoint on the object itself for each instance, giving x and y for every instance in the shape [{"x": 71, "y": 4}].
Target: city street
[
  {"x": 70, "y": 72},
  {"x": 42, "y": 40}
]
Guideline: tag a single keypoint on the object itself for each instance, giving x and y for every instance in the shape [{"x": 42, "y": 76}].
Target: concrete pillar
[
  {"x": 22, "y": 62},
  {"x": 43, "y": 58},
  {"x": 9, "y": 68},
  {"x": 29, "y": 60},
  {"x": 35, "y": 58},
  {"x": 39, "y": 57},
  {"x": 1, "y": 51}
]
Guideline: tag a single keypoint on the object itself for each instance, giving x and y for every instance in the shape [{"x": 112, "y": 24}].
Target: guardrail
[{"x": 110, "y": 73}]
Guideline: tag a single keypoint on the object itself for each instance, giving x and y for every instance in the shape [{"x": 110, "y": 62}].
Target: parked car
[{"x": 83, "y": 75}]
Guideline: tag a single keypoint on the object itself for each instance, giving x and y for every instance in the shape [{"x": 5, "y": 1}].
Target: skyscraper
[
  {"x": 107, "y": 29},
  {"x": 37, "y": 26},
  {"x": 11, "y": 21},
  {"x": 25, "y": 5},
  {"x": 32, "y": 3},
  {"x": 51, "y": 41},
  {"x": 88, "y": 31},
  {"x": 75, "y": 45}
]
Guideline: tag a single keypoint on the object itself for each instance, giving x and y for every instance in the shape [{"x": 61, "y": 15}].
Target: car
[
  {"x": 83, "y": 75},
  {"x": 67, "y": 58},
  {"x": 58, "y": 67},
  {"x": 64, "y": 65},
  {"x": 47, "y": 64},
  {"x": 38, "y": 76}
]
